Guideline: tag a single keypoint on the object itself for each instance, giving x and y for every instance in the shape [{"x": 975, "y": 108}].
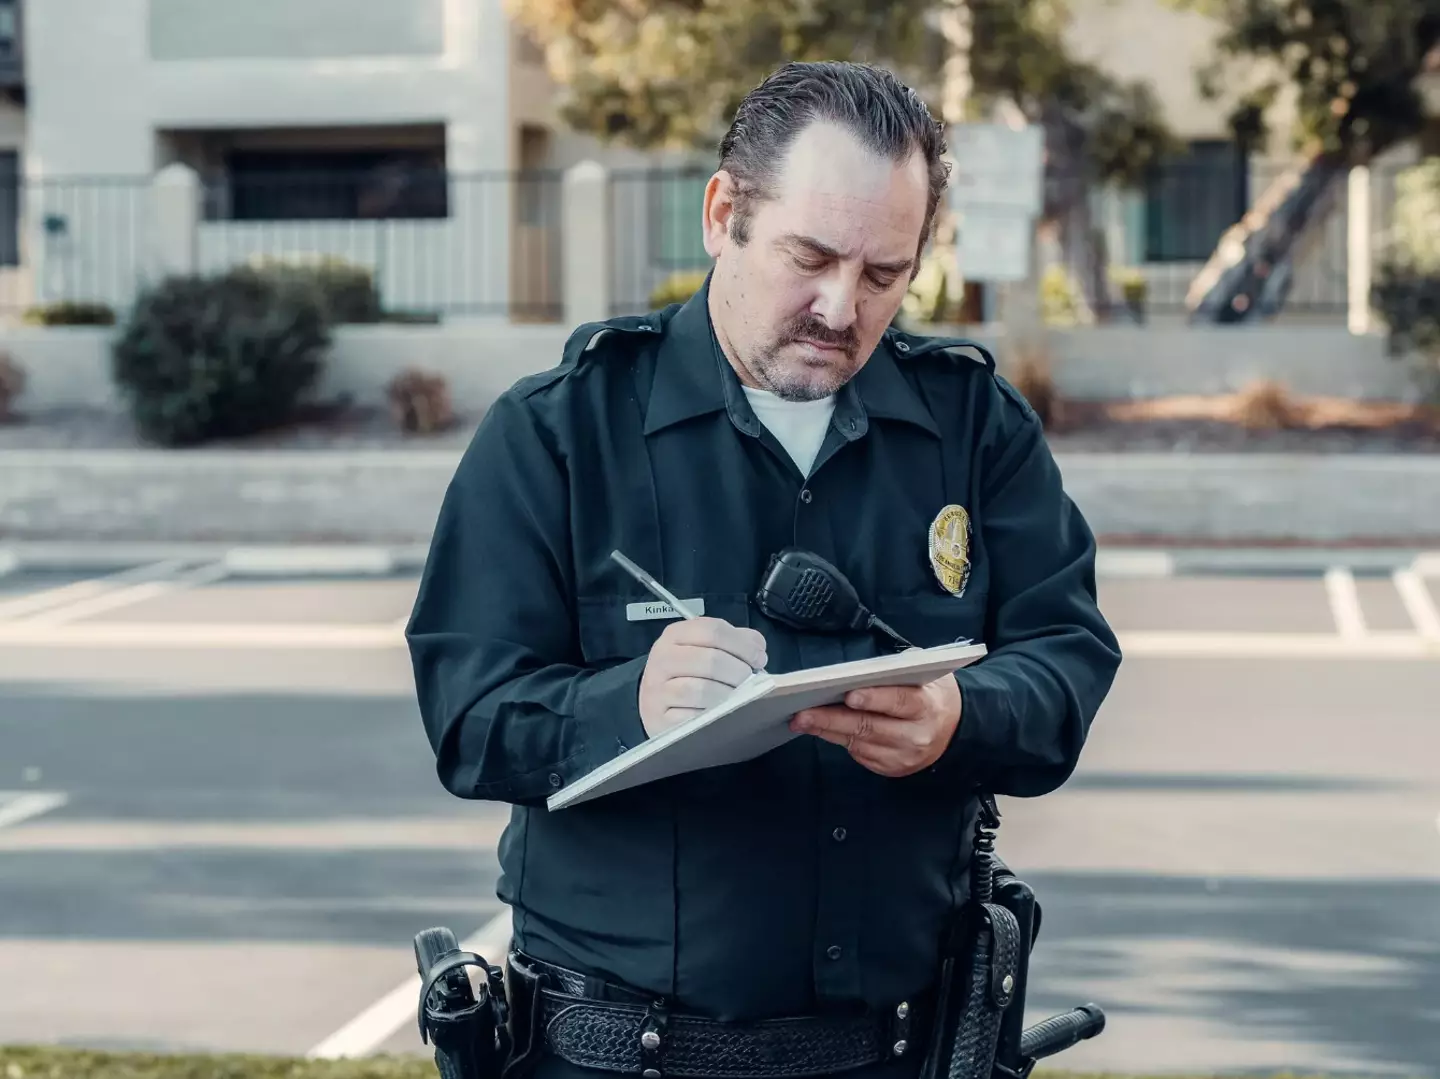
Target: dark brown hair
[{"x": 882, "y": 112}]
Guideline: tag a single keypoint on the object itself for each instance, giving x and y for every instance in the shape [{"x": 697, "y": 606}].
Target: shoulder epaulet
[
  {"x": 909, "y": 345},
  {"x": 586, "y": 339},
  {"x": 587, "y": 336}
]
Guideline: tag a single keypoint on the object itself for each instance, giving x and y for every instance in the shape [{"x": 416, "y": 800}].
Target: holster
[
  {"x": 977, "y": 981},
  {"x": 468, "y": 1027}
]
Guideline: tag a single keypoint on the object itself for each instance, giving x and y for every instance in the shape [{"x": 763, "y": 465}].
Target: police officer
[{"x": 777, "y": 408}]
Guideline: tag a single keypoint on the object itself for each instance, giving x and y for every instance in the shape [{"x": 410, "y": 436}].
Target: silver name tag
[{"x": 641, "y": 612}]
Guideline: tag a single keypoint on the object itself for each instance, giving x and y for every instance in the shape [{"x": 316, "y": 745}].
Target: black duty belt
[{"x": 643, "y": 1039}]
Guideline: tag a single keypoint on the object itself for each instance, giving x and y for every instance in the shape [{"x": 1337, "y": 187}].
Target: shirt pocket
[
  {"x": 928, "y": 620},
  {"x": 614, "y": 629}
]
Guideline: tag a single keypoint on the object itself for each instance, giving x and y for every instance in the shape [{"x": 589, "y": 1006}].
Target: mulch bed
[
  {"x": 1244, "y": 423},
  {"x": 1258, "y": 421}
]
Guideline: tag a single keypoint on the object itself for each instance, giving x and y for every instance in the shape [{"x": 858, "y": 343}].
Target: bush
[
  {"x": 346, "y": 291},
  {"x": 1406, "y": 288},
  {"x": 70, "y": 313},
  {"x": 12, "y": 385},
  {"x": 1060, "y": 300},
  {"x": 677, "y": 288},
  {"x": 219, "y": 357},
  {"x": 420, "y": 401}
]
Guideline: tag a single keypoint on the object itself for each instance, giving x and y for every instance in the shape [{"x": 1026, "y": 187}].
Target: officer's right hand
[{"x": 693, "y": 666}]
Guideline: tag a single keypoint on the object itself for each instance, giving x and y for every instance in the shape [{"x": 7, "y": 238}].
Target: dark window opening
[
  {"x": 1191, "y": 199},
  {"x": 345, "y": 185}
]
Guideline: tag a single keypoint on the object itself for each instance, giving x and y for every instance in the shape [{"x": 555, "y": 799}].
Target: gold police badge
[{"x": 950, "y": 549}]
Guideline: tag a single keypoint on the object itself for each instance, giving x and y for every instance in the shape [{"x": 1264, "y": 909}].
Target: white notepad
[{"x": 755, "y": 718}]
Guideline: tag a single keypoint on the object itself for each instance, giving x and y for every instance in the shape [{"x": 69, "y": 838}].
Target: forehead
[{"x": 834, "y": 189}]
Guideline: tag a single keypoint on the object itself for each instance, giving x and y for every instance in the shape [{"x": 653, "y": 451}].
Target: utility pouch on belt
[{"x": 978, "y": 972}]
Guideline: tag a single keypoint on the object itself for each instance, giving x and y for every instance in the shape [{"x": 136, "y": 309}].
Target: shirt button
[
  {"x": 833, "y": 951},
  {"x": 839, "y": 834},
  {"x": 806, "y": 496},
  {"x": 555, "y": 779}
]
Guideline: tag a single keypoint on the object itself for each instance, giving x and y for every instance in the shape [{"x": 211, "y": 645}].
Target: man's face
[{"x": 801, "y": 306}]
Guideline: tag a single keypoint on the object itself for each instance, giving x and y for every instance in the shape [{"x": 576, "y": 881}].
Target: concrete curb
[
  {"x": 298, "y": 560},
  {"x": 368, "y": 560},
  {"x": 330, "y": 501}
]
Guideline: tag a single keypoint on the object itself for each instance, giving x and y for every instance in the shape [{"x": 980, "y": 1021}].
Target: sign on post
[{"x": 996, "y": 194}]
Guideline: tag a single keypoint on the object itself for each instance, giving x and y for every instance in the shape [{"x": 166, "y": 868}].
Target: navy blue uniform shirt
[{"x": 800, "y": 881}]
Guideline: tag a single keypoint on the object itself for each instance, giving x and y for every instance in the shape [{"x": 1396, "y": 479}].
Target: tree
[
  {"x": 669, "y": 74},
  {"x": 1351, "y": 69}
]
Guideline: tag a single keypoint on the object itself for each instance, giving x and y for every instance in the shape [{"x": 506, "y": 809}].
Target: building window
[
  {"x": 679, "y": 202},
  {"x": 281, "y": 185},
  {"x": 1191, "y": 199}
]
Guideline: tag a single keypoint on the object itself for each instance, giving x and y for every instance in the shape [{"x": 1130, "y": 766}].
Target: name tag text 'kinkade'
[{"x": 640, "y": 612}]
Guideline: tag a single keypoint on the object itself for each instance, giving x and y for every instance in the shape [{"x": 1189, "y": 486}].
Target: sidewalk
[{"x": 390, "y": 497}]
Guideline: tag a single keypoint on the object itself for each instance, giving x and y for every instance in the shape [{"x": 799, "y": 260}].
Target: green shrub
[
  {"x": 70, "y": 313},
  {"x": 1406, "y": 286},
  {"x": 1060, "y": 300},
  {"x": 677, "y": 288},
  {"x": 346, "y": 290},
  {"x": 219, "y": 357},
  {"x": 12, "y": 385}
]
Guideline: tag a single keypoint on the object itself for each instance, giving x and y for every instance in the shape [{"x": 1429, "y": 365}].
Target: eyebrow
[{"x": 794, "y": 239}]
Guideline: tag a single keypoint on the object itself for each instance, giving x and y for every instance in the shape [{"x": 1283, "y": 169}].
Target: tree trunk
[
  {"x": 1249, "y": 274},
  {"x": 1067, "y": 211}
]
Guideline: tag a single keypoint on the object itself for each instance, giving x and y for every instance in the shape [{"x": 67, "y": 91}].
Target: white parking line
[
  {"x": 1427, "y": 564},
  {"x": 379, "y": 1022},
  {"x": 1345, "y": 602},
  {"x": 1175, "y": 644},
  {"x": 24, "y": 606},
  {"x": 17, "y": 806},
  {"x": 116, "y": 598},
  {"x": 199, "y": 635},
  {"x": 1418, "y": 603}
]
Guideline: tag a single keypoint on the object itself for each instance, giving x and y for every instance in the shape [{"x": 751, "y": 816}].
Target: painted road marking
[
  {"x": 24, "y": 606},
  {"x": 18, "y": 806},
  {"x": 1345, "y": 602},
  {"x": 1418, "y": 604},
  {"x": 1427, "y": 564},
  {"x": 379, "y": 1022},
  {"x": 200, "y": 635},
  {"x": 1131, "y": 564},
  {"x": 1183, "y": 645},
  {"x": 125, "y": 597},
  {"x": 341, "y": 637}
]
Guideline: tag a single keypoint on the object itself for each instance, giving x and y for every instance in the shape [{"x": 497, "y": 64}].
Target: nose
[{"x": 836, "y": 300}]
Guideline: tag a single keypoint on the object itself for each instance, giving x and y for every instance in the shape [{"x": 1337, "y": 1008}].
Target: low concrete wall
[{"x": 70, "y": 367}]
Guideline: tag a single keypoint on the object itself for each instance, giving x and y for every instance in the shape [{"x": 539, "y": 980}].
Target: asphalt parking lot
[{"x": 219, "y": 819}]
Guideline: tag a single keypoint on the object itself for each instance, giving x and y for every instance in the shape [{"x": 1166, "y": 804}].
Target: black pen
[{"x": 653, "y": 585}]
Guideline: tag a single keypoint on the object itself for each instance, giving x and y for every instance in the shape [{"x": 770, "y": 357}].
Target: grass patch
[
  {"x": 48, "y": 1063},
  {"x": 42, "y": 1062}
]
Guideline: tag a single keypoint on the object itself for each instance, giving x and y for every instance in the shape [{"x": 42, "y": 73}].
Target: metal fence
[
  {"x": 437, "y": 244},
  {"x": 656, "y": 233},
  {"x": 455, "y": 245}
]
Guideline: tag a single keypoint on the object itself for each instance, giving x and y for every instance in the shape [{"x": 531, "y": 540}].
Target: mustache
[{"x": 810, "y": 328}]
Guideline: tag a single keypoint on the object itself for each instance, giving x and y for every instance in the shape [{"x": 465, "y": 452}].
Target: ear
[{"x": 719, "y": 208}]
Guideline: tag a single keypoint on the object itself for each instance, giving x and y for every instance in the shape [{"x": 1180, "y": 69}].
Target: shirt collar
[{"x": 693, "y": 378}]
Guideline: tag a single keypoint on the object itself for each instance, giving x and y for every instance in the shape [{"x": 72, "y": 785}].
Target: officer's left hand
[{"x": 892, "y": 730}]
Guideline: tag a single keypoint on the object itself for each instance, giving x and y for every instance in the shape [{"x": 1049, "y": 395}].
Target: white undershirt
[{"x": 799, "y": 426}]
